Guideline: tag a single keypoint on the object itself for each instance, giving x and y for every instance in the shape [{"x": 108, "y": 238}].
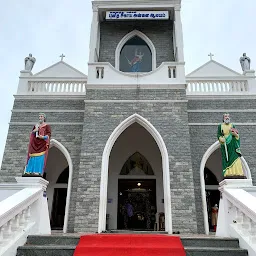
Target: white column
[
  {"x": 178, "y": 35},
  {"x": 23, "y": 82},
  {"x": 250, "y": 75},
  {"x": 94, "y": 36}
]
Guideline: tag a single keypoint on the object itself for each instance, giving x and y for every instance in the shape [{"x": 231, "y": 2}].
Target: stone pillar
[
  {"x": 23, "y": 82},
  {"x": 94, "y": 44},
  {"x": 178, "y": 35},
  {"x": 224, "y": 219},
  {"x": 250, "y": 75}
]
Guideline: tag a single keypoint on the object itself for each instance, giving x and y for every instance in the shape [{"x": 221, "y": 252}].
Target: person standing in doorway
[{"x": 129, "y": 212}]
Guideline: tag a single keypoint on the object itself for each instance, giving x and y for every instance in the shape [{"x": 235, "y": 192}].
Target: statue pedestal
[
  {"x": 25, "y": 73},
  {"x": 23, "y": 82},
  {"x": 249, "y": 73},
  {"x": 234, "y": 183},
  {"x": 32, "y": 182}
]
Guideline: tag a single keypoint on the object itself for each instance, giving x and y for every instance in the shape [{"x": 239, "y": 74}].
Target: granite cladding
[
  {"x": 104, "y": 110},
  {"x": 168, "y": 117},
  {"x": 159, "y": 32},
  {"x": 15, "y": 153},
  {"x": 203, "y": 135}
]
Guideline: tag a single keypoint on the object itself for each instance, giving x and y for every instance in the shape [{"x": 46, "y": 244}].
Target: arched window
[
  {"x": 135, "y": 56},
  {"x": 137, "y": 164}
]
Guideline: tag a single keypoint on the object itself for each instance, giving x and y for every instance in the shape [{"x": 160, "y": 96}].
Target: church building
[{"x": 134, "y": 143}]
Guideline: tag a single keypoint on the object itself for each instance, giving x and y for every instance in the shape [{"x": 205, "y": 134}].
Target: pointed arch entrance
[
  {"x": 60, "y": 170},
  {"x": 210, "y": 152},
  {"x": 164, "y": 164}
]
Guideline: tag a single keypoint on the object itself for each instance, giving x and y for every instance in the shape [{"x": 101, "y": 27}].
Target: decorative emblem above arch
[
  {"x": 143, "y": 37},
  {"x": 137, "y": 164}
]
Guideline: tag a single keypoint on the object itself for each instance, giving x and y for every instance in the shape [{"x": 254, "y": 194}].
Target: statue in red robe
[{"x": 38, "y": 148}]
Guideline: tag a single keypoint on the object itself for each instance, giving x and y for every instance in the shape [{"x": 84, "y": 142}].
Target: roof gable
[
  {"x": 60, "y": 69},
  {"x": 213, "y": 69}
]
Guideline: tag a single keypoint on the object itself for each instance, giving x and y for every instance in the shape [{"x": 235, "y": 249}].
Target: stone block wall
[
  {"x": 204, "y": 116},
  {"x": 167, "y": 112},
  {"x": 24, "y": 116},
  {"x": 159, "y": 32}
]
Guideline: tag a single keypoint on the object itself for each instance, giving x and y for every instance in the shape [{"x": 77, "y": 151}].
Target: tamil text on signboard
[{"x": 137, "y": 15}]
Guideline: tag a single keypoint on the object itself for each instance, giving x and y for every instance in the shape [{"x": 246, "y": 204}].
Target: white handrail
[
  {"x": 21, "y": 214},
  {"x": 15, "y": 204},
  {"x": 237, "y": 216}
]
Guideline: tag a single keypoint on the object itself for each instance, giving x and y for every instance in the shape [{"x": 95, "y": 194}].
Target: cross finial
[
  {"x": 210, "y": 55},
  {"x": 62, "y": 56}
]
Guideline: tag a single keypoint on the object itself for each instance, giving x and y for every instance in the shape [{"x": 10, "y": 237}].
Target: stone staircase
[{"x": 64, "y": 245}]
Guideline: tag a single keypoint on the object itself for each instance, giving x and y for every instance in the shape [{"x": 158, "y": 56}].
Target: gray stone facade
[
  {"x": 180, "y": 122},
  {"x": 69, "y": 135},
  {"x": 169, "y": 118},
  {"x": 203, "y": 133},
  {"x": 159, "y": 32}
]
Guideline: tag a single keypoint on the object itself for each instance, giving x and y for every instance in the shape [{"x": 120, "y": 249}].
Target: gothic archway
[{"x": 105, "y": 165}]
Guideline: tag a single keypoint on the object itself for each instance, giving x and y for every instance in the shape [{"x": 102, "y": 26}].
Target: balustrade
[
  {"x": 216, "y": 86},
  {"x": 62, "y": 87},
  {"x": 244, "y": 224},
  {"x": 12, "y": 228}
]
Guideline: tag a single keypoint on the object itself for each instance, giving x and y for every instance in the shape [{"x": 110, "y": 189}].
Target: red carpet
[{"x": 129, "y": 245}]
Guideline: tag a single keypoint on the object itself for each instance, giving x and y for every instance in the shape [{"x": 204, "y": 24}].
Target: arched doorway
[
  {"x": 212, "y": 161},
  {"x": 58, "y": 172},
  {"x": 106, "y": 195},
  {"x": 212, "y": 197},
  {"x": 59, "y": 200},
  {"x": 135, "y": 188}
]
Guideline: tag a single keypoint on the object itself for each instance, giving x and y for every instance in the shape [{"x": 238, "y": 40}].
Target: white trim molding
[
  {"x": 135, "y": 118},
  {"x": 130, "y": 36},
  {"x": 64, "y": 151},
  {"x": 206, "y": 156}
]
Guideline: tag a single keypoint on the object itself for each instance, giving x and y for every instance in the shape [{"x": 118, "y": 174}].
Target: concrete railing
[
  {"x": 168, "y": 73},
  {"x": 237, "y": 213},
  {"x": 216, "y": 86},
  {"x": 56, "y": 87},
  {"x": 22, "y": 213}
]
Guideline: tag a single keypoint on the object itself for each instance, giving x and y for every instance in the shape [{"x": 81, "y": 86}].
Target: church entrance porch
[
  {"x": 134, "y": 151},
  {"x": 136, "y": 204}
]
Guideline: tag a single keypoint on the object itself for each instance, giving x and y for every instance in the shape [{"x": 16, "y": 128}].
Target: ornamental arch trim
[{"x": 105, "y": 166}]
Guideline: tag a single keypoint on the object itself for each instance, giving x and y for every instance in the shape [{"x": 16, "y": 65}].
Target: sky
[{"x": 49, "y": 28}]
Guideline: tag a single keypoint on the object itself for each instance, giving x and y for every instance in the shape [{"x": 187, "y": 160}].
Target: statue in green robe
[{"x": 230, "y": 149}]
